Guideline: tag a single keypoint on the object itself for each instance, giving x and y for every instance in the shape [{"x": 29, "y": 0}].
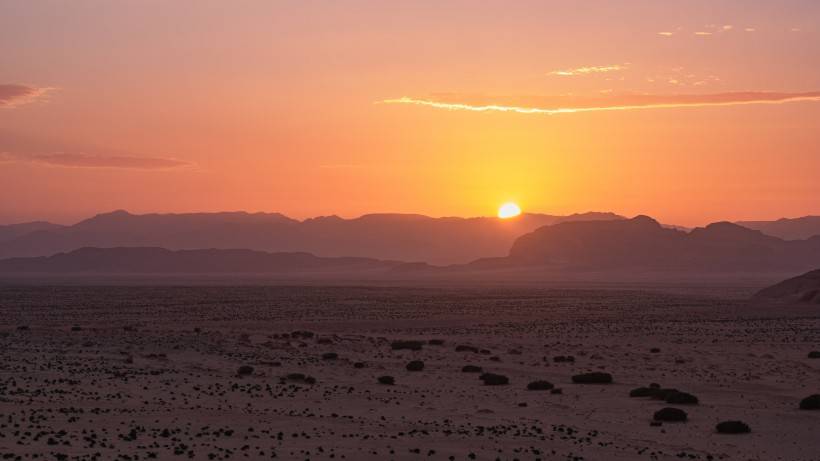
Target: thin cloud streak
[
  {"x": 631, "y": 102},
  {"x": 82, "y": 160},
  {"x": 588, "y": 70},
  {"x": 14, "y": 95}
]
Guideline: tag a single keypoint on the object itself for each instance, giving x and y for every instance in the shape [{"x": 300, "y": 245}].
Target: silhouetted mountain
[
  {"x": 787, "y": 229},
  {"x": 404, "y": 237},
  {"x": 146, "y": 260},
  {"x": 12, "y": 231},
  {"x": 642, "y": 244},
  {"x": 802, "y": 289}
]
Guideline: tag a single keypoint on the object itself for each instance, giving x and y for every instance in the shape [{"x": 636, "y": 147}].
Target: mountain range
[
  {"x": 635, "y": 246},
  {"x": 150, "y": 260},
  {"x": 787, "y": 229},
  {"x": 402, "y": 237},
  {"x": 643, "y": 244}
]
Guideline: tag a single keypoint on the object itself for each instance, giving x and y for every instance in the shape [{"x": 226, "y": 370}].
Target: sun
[{"x": 508, "y": 210}]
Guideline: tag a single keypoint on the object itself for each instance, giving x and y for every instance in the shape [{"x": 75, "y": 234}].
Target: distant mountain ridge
[
  {"x": 786, "y": 228},
  {"x": 634, "y": 246},
  {"x": 11, "y": 231},
  {"x": 403, "y": 237},
  {"x": 150, "y": 260},
  {"x": 643, "y": 244}
]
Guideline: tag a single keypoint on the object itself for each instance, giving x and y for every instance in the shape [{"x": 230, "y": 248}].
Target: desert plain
[{"x": 303, "y": 372}]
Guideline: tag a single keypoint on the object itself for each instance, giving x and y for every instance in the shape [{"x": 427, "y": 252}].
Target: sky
[{"x": 690, "y": 112}]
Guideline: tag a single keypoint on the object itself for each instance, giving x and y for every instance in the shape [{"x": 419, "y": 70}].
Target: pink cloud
[{"x": 13, "y": 95}]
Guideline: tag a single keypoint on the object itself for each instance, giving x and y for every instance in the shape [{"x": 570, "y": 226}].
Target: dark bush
[
  {"x": 814, "y": 355},
  {"x": 670, "y": 414},
  {"x": 471, "y": 369},
  {"x": 540, "y": 386},
  {"x": 464, "y": 348},
  {"x": 492, "y": 379},
  {"x": 563, "y": 359},
  {"x": 682, "y": 398},
  {"x": 642, "y": 392},
  {"x": 244, "y": 370},
  {"x": 733, "y": 427},
  {"x": 406, "y": 345},
  {"x": 663, "y": 393},
  {"x": 556, "y": 390},
  {"x": 436, "y": 342},
  {"x": 415, "y": 365},
  {"x": 330, "y": 356},
  {"x": 595, "y": 377},
  {"x": 358, "y": 365},
  {"x": 811, "y": 402},
  {"x": 388, "y": 380}
]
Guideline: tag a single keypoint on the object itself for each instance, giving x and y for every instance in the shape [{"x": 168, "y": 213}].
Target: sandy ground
[{"x": 152, "y": 373}]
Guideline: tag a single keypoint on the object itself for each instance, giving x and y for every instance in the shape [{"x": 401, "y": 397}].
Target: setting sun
[{"x": 509, "y": 210}]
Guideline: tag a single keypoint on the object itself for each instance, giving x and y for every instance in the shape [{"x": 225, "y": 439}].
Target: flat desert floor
[{"x": 138, "y": 373}]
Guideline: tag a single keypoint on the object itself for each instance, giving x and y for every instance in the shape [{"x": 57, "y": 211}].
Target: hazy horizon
[{"x": 80, "y": 218}]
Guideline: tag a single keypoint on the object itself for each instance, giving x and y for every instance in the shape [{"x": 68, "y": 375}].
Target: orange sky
[{"x": 692, "y": 112}]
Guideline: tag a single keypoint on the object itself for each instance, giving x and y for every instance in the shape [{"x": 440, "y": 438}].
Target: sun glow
[{"x": 508, "y": 210}]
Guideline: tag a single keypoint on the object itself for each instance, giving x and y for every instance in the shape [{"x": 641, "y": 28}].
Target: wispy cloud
[
  {"x": 13, "y": 95},
  {"x": 83, "y": 160},
  {"x": 589, "y": 70},
  {"x": 552, "y": 105}
]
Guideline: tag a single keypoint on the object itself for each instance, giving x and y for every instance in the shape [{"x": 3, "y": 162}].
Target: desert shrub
[
  {"x": 540, "y": 386},
  {"x": 811, "y": 402},
  {"x": 642, "y": 392},
  {"x": 670, "y": 414},
  {"x": 682, "y": 398},
  {"x": 814, "y": 355},
  {"x": 595, "y": 377},
  {"x": 492, "y": 379},
  {"x": 330, "y": 356},
  {"x": 358, "y": 365},
  {"x": 564, "y": 359},
  {"x": 415, "y": 365},
  {"x": 663, "y": 393},
  {"x": 436, "y": 342},
  {"x": 465, "y": 348},
  {"x": 471, "y": 369},
  {"x": 244, "y": 370},
  {"x": 387, "y": 380},
  {"x": 733, "y": 427}
]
